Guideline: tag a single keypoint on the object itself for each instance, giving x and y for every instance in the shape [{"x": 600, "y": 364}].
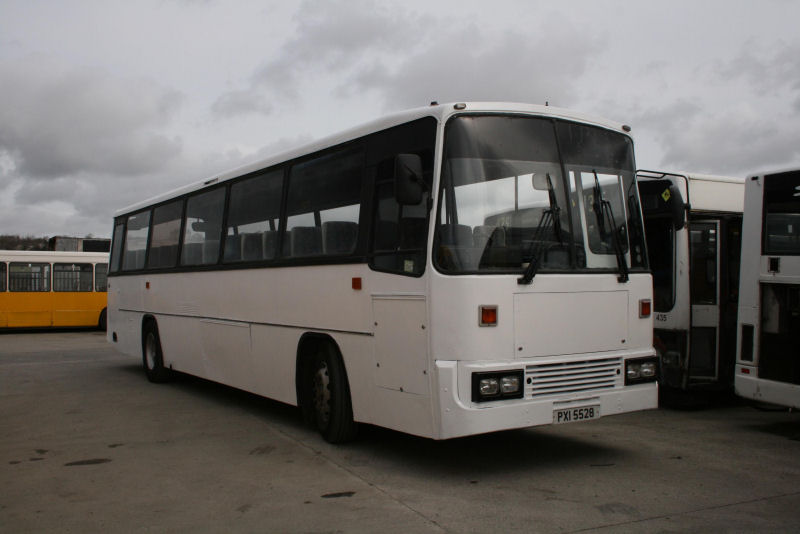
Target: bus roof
[
  {"x": 707, "y": 192},
  {"x": 777, "y": 171},
  {"x": 51, "y": 255},
  {"x": 441, "y": 112}
]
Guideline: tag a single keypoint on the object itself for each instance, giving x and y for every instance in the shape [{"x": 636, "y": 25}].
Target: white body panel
[
  {"x": 461, "y": 348},
  {"x": 716, "y": 193}
]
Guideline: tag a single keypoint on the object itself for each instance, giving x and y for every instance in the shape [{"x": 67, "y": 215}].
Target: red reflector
[
  {"x": 644, "y": 308},
  {"x": 147, "y": 285},
  {"x": 745, "y": 371},
  {"x": 488, "y": 316},
  {"x": 357, "y": 283}
]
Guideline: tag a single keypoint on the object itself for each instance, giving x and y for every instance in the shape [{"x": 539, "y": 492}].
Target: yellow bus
[{"x": 44, "y": 289}]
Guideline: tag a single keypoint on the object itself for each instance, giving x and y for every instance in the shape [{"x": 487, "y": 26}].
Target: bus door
[{"x": 704, "y": 287}]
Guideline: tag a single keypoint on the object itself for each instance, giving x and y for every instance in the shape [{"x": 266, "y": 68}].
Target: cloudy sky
[{"x": 105, "y": 103}]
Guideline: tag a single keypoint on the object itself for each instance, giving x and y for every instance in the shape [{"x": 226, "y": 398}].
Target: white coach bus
[
  {"x": 446, "y": 271},
  {"x": 768, "y": 364},
  {"x": 693, "y": 226}
]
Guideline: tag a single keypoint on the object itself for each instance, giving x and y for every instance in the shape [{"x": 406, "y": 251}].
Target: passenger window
[
  {"x": 101, "y": 277},
  {"x": 72, "y": 277},
  {"x": 203, "y": 228},
  {"x": 2, "y": 276},
  {"x": 166, "y": 234},
  {"x": 324, "y": 205},
  {"x": 138, "y": 226},
  {"x": 116, "y": 250},
  {"x": 253, "y": 218},
  {"x": 29, "y": 277}
]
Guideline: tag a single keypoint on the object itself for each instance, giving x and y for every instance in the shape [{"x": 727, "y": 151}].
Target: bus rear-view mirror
[
  {"x": 661, "y": 198},
  {"x": 408, "y": 182},
  {"x": 677, "y": 207}
]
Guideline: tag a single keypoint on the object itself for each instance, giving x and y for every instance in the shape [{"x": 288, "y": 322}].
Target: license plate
[{"x": 573, "y": 415}]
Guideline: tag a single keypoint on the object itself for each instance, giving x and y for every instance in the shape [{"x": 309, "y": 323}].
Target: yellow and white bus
[
  {"x": 768, "y": 363},
  {"x": 445, "y": 271},
  {"x": 45, "y": 289}
]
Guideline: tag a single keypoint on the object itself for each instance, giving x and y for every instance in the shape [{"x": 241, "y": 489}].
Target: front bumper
[{"x": 462, "y": 417}]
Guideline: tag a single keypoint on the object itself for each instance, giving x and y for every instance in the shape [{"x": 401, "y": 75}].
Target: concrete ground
[{"x": 88, "y": 445}]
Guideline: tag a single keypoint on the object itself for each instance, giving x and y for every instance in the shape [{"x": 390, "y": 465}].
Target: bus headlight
[
  {"x": 641, "y": 370},
  {"x": 488, "y": 387},
  {"x": 499, "y": 385}
]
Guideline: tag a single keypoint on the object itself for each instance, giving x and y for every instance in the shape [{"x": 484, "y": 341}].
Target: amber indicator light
[{"x": 488, "y": 316}]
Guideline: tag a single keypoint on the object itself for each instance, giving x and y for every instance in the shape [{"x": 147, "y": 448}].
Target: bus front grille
[{"x": 572, "y": 377}]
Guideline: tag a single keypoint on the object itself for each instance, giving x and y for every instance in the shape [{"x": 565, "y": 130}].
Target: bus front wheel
[
  {"x": 152, "y": 357},
  {"x": 330, "y": 398}
]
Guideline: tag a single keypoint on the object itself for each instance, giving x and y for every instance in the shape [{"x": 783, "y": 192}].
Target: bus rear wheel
[
  {"x": 152, "y": 357},
  {"x": 330, "y": 398}
]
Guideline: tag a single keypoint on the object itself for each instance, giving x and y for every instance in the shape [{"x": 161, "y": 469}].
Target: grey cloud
[
  {"x": 733, "y": 141},
  {"x": 58, "y": 121},
  {"x": 236, "y": 103},
  {"x": 740, "y": 116},
  {"x": 395, "y": 56},
  {"x": 331, "y": 36},
  {"x": 465, "y": 65},
  {"x": 768, "y": 69},
  {"x": 337, "y": 35}
]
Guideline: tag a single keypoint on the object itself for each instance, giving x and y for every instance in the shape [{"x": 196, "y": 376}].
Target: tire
[
  {"x": 152, "y": 357},
  {"x": 102, "y": 323},
  {"x": 330, "y": 397}
]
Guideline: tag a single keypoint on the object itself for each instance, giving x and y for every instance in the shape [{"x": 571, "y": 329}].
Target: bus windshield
[{"x": 518, "y": 190}]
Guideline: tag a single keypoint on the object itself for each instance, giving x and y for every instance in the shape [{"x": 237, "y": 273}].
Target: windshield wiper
[
  {"x": 551, "y": 193},
  {"x": 549, "y": 218},
  {"x": 605, "y": 213}
]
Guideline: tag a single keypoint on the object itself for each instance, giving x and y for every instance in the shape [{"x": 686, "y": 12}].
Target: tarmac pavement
[{"x": 88, "y": 445}]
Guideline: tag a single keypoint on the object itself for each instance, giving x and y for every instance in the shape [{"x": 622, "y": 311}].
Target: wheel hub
[
  {"x": 150, "y": 351},
  {"x": 322, "y": 394}
]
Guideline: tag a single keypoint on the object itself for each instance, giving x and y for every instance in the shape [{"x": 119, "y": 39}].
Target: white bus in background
[
  {"x": 768, "y": 364},
  {"x": 693, "y": 225},
  {"x": 450, "y": 270}
]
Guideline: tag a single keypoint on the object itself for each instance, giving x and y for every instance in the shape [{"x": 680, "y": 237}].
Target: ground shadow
[
  {"x": 789, "y": 428},
  {"x": 473, "y": 456}
]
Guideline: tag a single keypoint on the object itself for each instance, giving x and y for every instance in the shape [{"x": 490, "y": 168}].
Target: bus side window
[
  {"x": 29, "y": 277},
  {"x": 116, "y": 247},
  {"x": 399, "y": 232},
  {"x": 101, "y": 277},
  {"x": 166, "y": 235},
  {"x": 253, "y": 218},
  {"x": 2, "y": 276},
  {"x": 72, "y": 277},
  {"x": 138, "y": 228},
  {"x": 203, "y": 227},
  {"x": 324, "y": 204}
]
